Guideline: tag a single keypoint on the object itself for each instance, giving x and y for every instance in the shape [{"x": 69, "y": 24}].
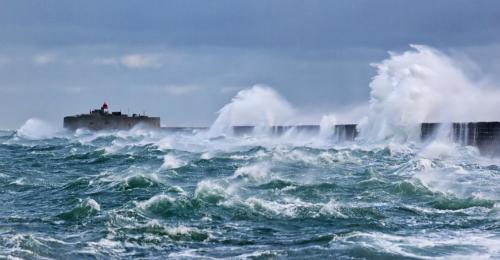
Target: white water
[
  {"x": 259, "y": 106},
  {"x": 36, "y": 129},
  {"x": 327, "y": 126},
  {"x": 423, "y": 85}
]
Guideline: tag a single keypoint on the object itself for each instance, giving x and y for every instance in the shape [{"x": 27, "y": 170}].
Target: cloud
[
  {"x": 44, "y": 58},
  {"x": 181, "y": 89},
  {"x": 131, "y": 61},
  {"x": 137, "y": 61}
]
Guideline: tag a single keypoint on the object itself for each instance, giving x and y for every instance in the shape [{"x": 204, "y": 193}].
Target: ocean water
[
  {"x": 186, "y": 195},
  {"x": 207, "y": 194}
]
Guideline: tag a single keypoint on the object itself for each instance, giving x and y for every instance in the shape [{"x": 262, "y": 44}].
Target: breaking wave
[
  {"x": 36, "y": 129},
  {"x": 423, "y": 85},
  {"x": 259, "y": 106}
]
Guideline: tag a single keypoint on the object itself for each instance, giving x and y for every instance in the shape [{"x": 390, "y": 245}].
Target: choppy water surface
[{"x": 146, "y": 194}]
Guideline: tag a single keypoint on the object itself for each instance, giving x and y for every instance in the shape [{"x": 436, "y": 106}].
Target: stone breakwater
[{"x": 483, "y": 135}]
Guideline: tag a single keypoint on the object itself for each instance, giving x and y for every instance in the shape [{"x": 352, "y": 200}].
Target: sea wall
[
  {"x": 345, "y": 132},
  {"x": 484, "y": 135}
]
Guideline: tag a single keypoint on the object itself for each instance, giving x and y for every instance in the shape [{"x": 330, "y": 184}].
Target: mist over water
[
  {"x": 35, "y": 128},
  {"x": 206, "y": 194},
  {"x": 423, "y": 85}
]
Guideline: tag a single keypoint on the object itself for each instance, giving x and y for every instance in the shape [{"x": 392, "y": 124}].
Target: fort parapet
[{"x": 101, "y": 119}]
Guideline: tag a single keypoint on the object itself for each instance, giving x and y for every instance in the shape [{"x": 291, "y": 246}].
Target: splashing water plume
[
  {"x": 36, "y": 129},
  {"x": 259, "y": 106},
  {"x": 327, "y": 126},
  {"x": 423, "y": 85}
]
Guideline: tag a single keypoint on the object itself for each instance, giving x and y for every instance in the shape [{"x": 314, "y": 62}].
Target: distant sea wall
[{"x": 484, "y": 135}]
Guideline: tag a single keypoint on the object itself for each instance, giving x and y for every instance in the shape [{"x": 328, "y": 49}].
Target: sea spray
[
  {"x": 327, "y": 126},
  {"x": 423, "y": 85},
  {"x": 35, "y": 129},
  {"x": 258, "y": 106},
  {"x": 172, "y": 162}
]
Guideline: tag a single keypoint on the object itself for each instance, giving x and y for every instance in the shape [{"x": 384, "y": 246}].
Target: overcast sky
[{"x": 183, "y": 60}]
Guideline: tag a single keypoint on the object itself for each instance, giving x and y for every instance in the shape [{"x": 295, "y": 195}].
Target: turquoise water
[{"x": 144, "y": 194}]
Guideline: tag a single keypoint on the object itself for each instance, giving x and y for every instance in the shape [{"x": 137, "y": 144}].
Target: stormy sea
[{"x": 210, "y": 193}]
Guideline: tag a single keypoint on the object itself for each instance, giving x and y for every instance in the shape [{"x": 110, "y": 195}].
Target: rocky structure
[{"x": 102, "y": 119}]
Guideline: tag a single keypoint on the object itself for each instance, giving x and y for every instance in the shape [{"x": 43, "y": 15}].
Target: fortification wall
[{"x": 102, "y": 122}]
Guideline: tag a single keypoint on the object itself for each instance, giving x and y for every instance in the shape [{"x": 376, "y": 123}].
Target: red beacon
[{"x": 104, "y": 106}]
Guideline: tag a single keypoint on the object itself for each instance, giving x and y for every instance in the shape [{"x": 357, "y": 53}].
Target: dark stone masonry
[
  {"x": 101, "y": 119},
  {"x": 484, "y": 135}
]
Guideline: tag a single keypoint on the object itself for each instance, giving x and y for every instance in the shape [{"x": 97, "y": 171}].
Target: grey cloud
[{"x": 257, "y": 24}]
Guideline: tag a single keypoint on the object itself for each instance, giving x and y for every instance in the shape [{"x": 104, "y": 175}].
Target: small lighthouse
[{"x": 104, "y": 107}]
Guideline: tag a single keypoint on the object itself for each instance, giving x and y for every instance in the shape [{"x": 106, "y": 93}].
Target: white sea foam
[
  {"x": 440, "y": 150},
  {"x": 332, "y": 208},
  {"x": 92, "y": 204},
  {"x": 276, "y": 208},
  {"x": 207, "y": 156},
  {"x": 287, "y": 154},
  {"x": 19, "y": 181},
  {"x": 288, "y": 207},
  {"x": 172, "y": 162},
  {"x": 28, "y": 244},
  {"x": 164, "y": 143},
  {"x": 460, "y": 182},
  {"x": 36, "y": 129},
  {"x": 188, "y": 254},
  {"x": 178, "y": 190},
  {"x": 211, "y": 189},
  {"x": 155, "y": 200},
  {"x": 256, "y": 172},
  {"x": 182, "y": 230},
  {"x": 481, "y": 245}
]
